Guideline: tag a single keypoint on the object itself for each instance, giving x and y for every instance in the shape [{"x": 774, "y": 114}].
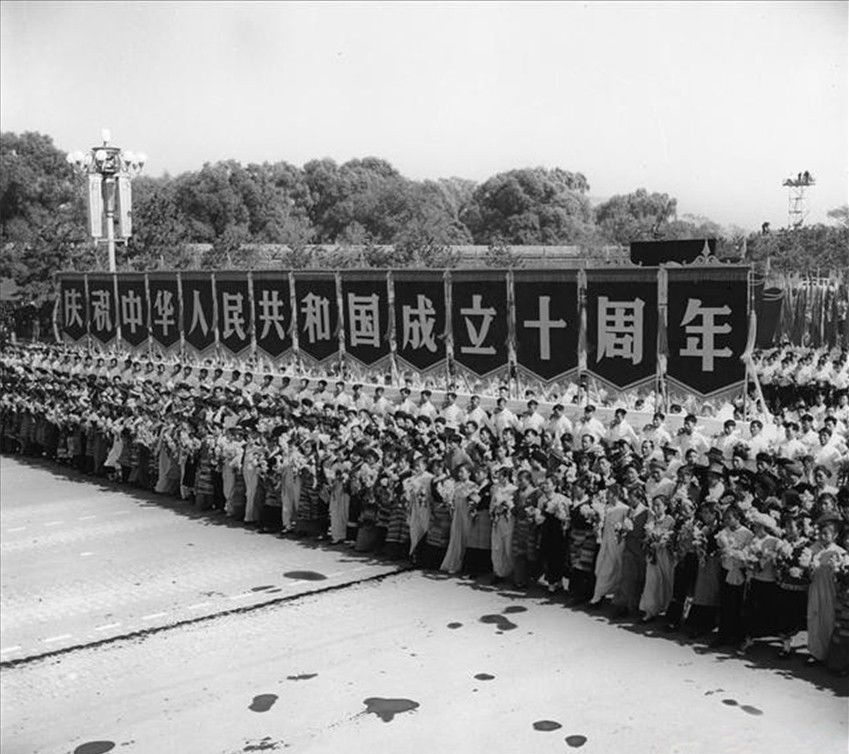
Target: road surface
[{"x": 381, "y": 661}]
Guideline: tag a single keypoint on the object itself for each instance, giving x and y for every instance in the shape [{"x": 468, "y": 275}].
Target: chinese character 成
[{"x": 418, "y": 323}]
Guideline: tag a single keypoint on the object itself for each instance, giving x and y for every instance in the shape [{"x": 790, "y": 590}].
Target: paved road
[
  {"x": 85, "y": 561},
  {"x": 408, "y": 663}
]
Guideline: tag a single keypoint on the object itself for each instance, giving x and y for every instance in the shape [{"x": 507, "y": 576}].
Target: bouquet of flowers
[
  {"x": 757, "y": 555},
  {"x": 841, "y": 571},
  {"x": 501, "y": 505},
  {"x": 624, "y": 527},
  {"x": 792, "y": 560},
  {"x": 704, "y": 542},
  {"x": 658, "y": 538},
  {"x": 557, "y": 507}
]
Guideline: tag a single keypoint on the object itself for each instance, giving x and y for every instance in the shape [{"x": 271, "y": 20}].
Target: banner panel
[
  {"x": 420, "y": 322},
  {"x": 133, "y": 310},
  {"x": 198, "y": 307},
  {"x": 73, "y": 308},
  {"x": 232, "y": 292},
  {"x": 621, "y": 306},
  {"x": 273, "y": 316},
  {"x": 317, "y": 314},
  {"x": 479, "y": 320},
  {"x": 102, "y": 315},
  {"x": 165, "y": 320},
  {"x": 547, "y": 323},
  {"x": 707, "y": 328},
  {"x": 365, "y": 298}
]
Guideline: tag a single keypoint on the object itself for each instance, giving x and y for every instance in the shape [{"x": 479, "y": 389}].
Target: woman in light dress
[
  {"x": 826, "y": 554},
  {"x": 608, "y": 565},
  {"x": 501, "y": 512},
  {"x": 461, "y": 521},
  {"x": 660, "y": 565}
]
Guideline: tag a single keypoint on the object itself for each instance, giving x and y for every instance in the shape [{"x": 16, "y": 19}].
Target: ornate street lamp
[{"x": 109, "y": 170}]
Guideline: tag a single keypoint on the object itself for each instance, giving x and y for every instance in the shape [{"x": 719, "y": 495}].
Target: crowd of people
[{"x": 735, "y": 538}]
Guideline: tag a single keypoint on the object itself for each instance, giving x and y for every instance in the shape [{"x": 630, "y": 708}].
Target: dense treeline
[{"x": 233, "y": 208}]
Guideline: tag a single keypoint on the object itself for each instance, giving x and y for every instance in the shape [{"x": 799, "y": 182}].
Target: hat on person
[{"x": 764, "y": 519}]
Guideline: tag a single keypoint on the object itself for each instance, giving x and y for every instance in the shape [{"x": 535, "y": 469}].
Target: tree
[
  {"x": 530, "y": 206},
  {"x": 840, "y": 215},
  {"x": 638, "y": 216},
  {"x": 500, "y": 254}
]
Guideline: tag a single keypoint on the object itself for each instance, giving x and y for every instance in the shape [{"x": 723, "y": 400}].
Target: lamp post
[{"x": 109, "y": 170}]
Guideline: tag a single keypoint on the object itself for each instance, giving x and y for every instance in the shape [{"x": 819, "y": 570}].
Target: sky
[{"x": 713, "y": 103}]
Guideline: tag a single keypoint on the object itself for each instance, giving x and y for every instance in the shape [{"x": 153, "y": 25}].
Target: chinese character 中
[
  {"x": 620, "y": 329},
  {"x": 101, "y": 315},
  {"x": 198, "y": 317},
  {"x": 477, "y": 337},
  {"x": 271, "y": 313},
  {"x": 545, "y": 325},
  {"x": 163, "y": 305},
  {"x": 73, "y": 307},
  {"x": 131, "y": 311},
  {"x": 363, "y": 317},
  {"x": 316, "y": 311},
  {"x": 233, "y": 319},
  {"x": 418, "y": 323},
  {"x": 702, "y": 345}
]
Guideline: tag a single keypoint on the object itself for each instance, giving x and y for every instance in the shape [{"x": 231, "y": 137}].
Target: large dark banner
[
  {"x": 707, "y": 328},
  {"x": 684, "y": 251},
  {"x": 103, "y": 322},
  {"x": 132, "y": 310},
  {"x": 73, "y": 308},
  {"x": 479, "y": 320},
  {"x": 198, "y": 321},
  {"x": 547, "y": 322},
  {"x": 365, "y": 301},
  {"x": 622, "y": 326},
  {"x": 419, "y": 319},
  {"x": 317, "y": 315},
  {"x": 233, "y": 295},
  {"x": 272, "y": 312},
  {"x": 164, "y": 310}
]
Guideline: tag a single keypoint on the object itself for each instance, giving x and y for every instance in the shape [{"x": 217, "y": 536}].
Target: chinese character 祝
[
  {"x": 234, "y": 320},
  {"x": 620, "y": 329},
  {"x": 73, "y": 307},
  {"x": 418, "y": 323},
  {"x": 131, "y": 311},
  {"x": 271, "y": 314},
  {"x": 198, "y": 317},
  {"x": 363, "y": 317},
  {"x": 163, "y": 305},
  {"x": 545, "y": 325},
  {"x": 702, "y": 344},
  {"x": 101, "y": 315},
  {"x": 316, "y": 311},
  {"x": 477, "y": 337}
]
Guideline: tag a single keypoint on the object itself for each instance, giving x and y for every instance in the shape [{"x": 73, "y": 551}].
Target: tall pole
[{"x": 109, "y": 204}]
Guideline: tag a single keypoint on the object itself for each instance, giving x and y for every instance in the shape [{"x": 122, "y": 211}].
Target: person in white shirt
[
  {"x": 727, "y": 440},
  {"x": 558, "y": 423},
  {"x": 503, "y": 418},
  {"x": 533, "y": 419},
  {"x": 452, "y": 413},
  {"x": 807, "y": 434},
  {"x": 758, "y": 442},
  {"x": 657, "y": 483},
  {"x": 476, "y": 413},
  {"x": 792, "y": 448},
  {"x": 359, "y": 399},
  {"x": 426, "y": 407},
  {"x": 588, "y": 424},
  {"x": 406, "y": 404},
  {"x": 380, "y": 405},
  {"x": 340, "y": 397},
  {"x": 689, "y": 438},
  {"x": 658, "y": 433},
  {"x": 620, "y": 429},
  {"x": 828, "y": 454}
]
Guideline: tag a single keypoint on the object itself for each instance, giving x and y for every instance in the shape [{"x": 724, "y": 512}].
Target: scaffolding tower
[{"x": 797, "y": 200}]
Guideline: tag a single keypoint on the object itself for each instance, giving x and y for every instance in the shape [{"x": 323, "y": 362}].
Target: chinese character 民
[
  {"x": 702, "y": 344},
  {"x": 478, "y": 336},
  {"x": 620, "y": 329},
  {"x": 233, "y": 319},
  {"x": 131, "y": 311},
  {"x": 73, "y": 307},
  {"x": 271, "y": 313},
  {"x": 163, "y": 305},
  {"x": 418, "y": 323},
  {"x": 316, "y": 311},
  {"x": 198, "y": 317},
  {"x": 101, "y": 315},
  {"x": 545, "y": 325},
  {"x": 363, "y": 317}
]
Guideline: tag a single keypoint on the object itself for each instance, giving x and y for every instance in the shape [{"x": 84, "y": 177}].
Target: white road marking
[
  {"x": 85, "y": 518},
  {"x": 197, "y": 606},
  {"x": 107, "y": 626},
  {"x": 54, "y": 523},
  {"x": 17, "y": 528},
  {"x": 57, "y": 638},
  {"x": 85, "y": 554},
  {"x": 153, "y": 615},
  {"x": 240, "y": 596},
  {"x": 9, "y": 649}
]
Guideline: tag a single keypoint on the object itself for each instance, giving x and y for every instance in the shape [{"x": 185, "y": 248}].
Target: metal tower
[{"x": 797, "y": 201}]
